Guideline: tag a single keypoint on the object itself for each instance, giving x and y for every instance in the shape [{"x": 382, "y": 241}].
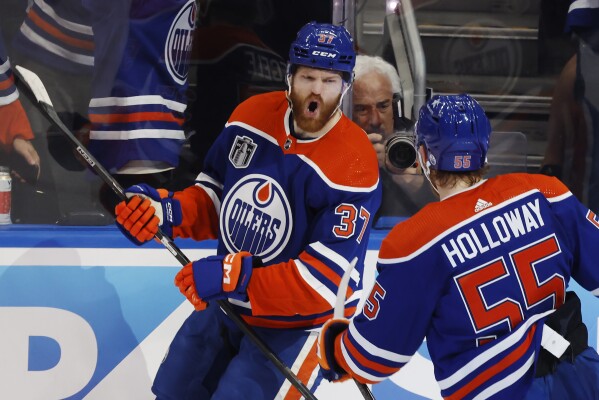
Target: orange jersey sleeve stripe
[
  {"x": 53, "y": 31},
  {"x": 343, "y": 363},
  {"x": 134, "y": 117},
  {"x": 325, "y": 270},
  {"x": 495, "y": 369},
  {"x": 384, "y": 370},
  {"x": 5, "y": 84}
]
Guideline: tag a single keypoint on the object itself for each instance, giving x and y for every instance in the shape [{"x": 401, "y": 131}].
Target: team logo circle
[
  {"x": 256, "y": 217},
  {"x": 178, "y": 43}
]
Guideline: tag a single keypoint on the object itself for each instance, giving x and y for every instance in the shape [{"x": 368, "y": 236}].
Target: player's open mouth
[{"x": 312, "y": 107}]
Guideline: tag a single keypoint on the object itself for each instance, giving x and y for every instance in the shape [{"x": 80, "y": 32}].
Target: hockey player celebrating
[
  {"x": 288, "y": 189},
  {"x": 482, "y": 274}
]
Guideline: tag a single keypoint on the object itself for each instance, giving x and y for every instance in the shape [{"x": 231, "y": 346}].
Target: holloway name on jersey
[{"x": 485, "y": 236}]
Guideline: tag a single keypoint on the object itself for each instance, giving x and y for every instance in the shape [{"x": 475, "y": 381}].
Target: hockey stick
[
  {"x": 34, "y": 89},
  {"x": 338, "y": 313}
]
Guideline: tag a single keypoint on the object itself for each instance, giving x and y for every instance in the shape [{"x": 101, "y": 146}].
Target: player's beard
[{"x": 322, "y": 114}]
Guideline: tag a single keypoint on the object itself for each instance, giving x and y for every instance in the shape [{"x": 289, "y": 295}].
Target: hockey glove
[
  {"x": 327, "y": 342},
  {"x": 215, "y": 278},
  {"x": 146, "y": 210}
]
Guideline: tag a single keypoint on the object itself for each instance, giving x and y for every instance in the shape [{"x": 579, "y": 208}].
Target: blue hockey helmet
[
  {"x": 455, "y": 132},
  {"x": 324, "y": 46}
]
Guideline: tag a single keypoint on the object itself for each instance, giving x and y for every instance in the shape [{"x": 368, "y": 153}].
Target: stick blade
[{"x": 33, "y": 84}]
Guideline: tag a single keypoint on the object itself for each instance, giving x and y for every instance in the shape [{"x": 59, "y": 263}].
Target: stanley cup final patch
[{"x": 242, "y": 151}]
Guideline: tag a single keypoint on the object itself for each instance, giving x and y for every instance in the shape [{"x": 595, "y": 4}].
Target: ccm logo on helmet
[{"x": 324, "y": 54}]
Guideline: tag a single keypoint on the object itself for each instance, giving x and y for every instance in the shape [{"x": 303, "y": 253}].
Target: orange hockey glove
[
  {"x": 145, "y": 211},
  {"x": 216, "y": 277},
  {"x": 184, "y": 280}
]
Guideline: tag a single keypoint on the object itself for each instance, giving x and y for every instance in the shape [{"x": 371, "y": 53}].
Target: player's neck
[
  {"x": 446, "y": 191},
  {"x": 314, "y": 135}
]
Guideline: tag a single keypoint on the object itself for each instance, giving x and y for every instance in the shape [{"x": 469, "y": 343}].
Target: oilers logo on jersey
[
  {"x": 242, "y": 151},
  {"x": 256, "y": 217},
  {"x": 178, "y": 43}
]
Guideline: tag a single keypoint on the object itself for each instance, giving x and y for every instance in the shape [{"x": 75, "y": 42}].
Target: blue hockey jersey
[
  {"x": 476, "y": 274},
  {"x": 58, "y": 33},
  {"x": 303, "y": 206},
  {"x": 142, "y": 51}
]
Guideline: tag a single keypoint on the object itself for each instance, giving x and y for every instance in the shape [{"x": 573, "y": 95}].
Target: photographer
[{"x": 376, "y": 99}]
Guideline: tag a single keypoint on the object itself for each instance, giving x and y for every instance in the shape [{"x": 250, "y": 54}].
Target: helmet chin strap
[
  {"x": 288, "y": 81},
  {"x": 343, "y": 92}
]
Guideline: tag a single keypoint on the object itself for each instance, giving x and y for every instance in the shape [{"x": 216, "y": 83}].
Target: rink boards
[{"x": 84, "y": 314}]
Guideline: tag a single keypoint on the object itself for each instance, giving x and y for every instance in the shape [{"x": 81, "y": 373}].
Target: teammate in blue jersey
[
  {"x": 141, "y": 56},
  {"x": 482, "y": 275},
  {"x": 288, "y": 188}
]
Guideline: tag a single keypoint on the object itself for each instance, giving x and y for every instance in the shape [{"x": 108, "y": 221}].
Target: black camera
[{"x": 401, "y": 149}]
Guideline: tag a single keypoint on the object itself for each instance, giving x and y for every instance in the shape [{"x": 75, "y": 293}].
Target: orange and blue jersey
[
  {"x": 303, "y": 206},
  {"x": 475, "y": 274},
  {"x": 138, "y": 99}
]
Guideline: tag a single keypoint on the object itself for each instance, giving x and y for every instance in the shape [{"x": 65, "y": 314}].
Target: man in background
[{"x": 377, "y": 110}]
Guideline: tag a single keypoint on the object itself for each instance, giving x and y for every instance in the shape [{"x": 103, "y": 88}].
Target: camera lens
[{"x": 401, "y": 151}]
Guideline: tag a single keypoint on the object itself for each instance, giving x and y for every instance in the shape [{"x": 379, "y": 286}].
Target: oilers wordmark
[
  {"x": 256, "y": 217},
  {"x": 511, "y": 224},
  {"x": 252, "y": 229}
]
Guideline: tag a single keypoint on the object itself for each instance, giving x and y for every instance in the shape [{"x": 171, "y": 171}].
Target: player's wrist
[{"x": 329, "y": 338}]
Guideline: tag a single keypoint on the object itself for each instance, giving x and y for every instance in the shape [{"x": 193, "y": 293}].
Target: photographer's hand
[{"x": 378, "y": 143}]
